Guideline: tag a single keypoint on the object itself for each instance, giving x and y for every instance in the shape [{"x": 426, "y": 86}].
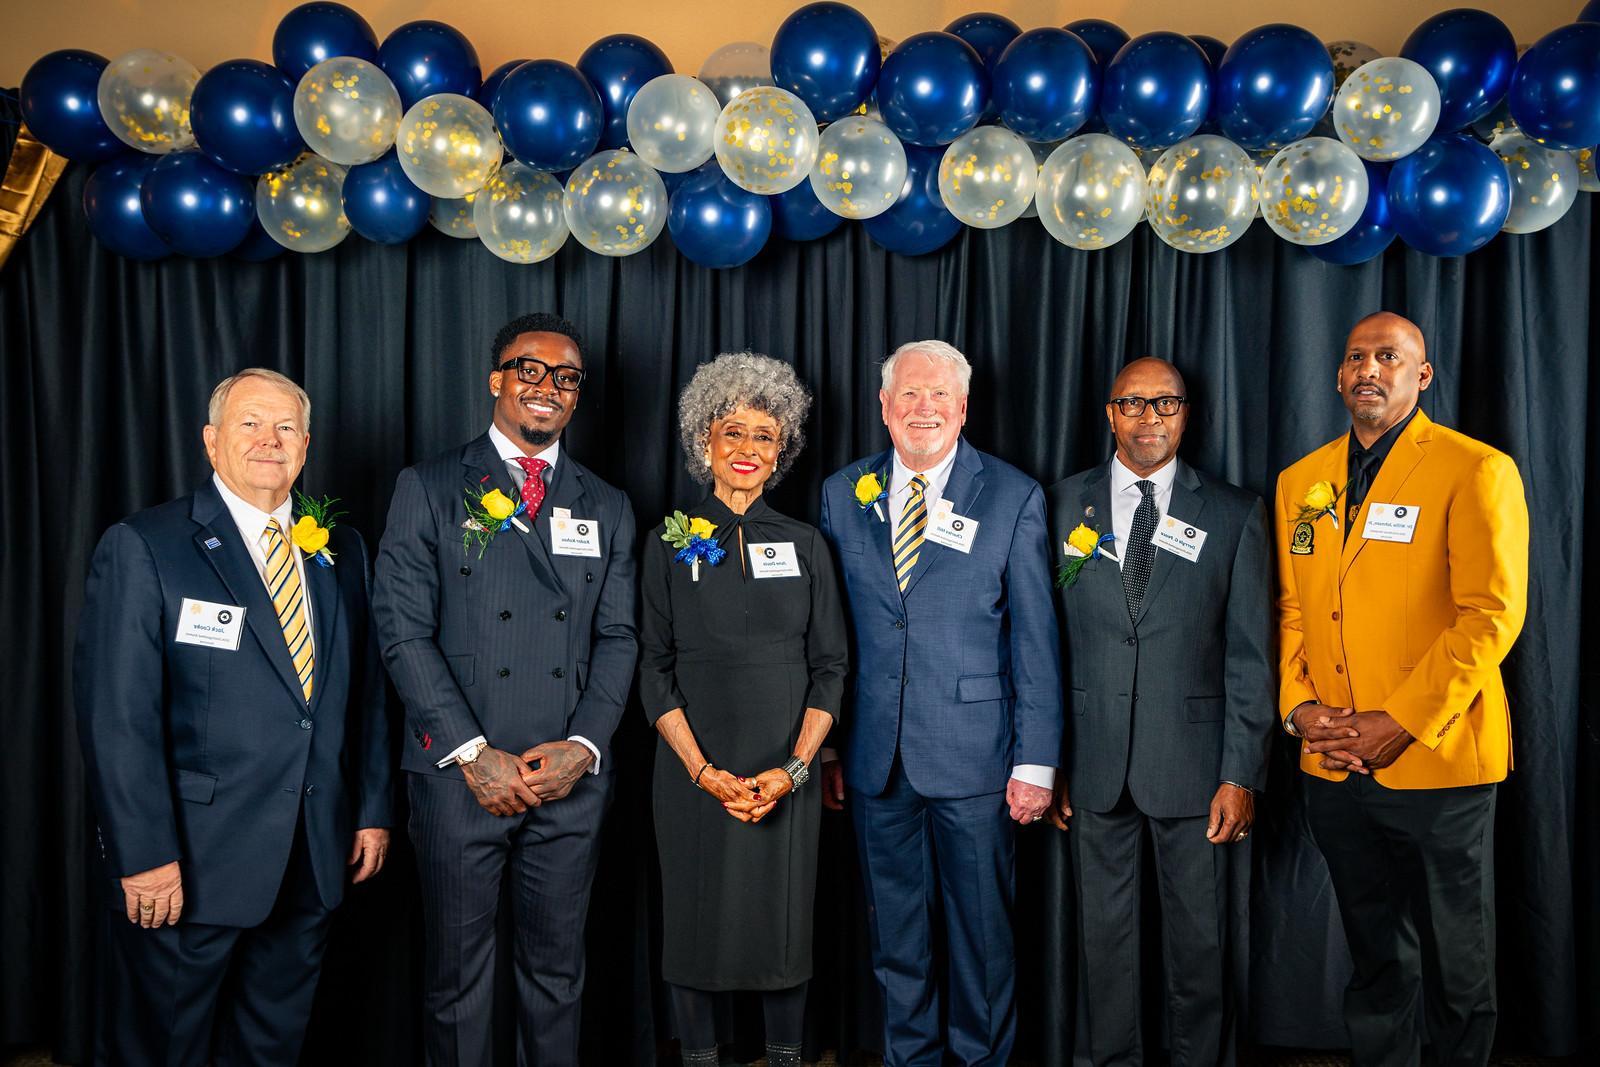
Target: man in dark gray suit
[
  {"x": 1167, "y": 664},
  {"x": 505, "y": 605}
]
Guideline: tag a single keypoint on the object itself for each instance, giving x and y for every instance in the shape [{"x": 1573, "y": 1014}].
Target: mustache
[
  {"x": 273, "y": 455},
  {"x": 1380, "y": 390}
]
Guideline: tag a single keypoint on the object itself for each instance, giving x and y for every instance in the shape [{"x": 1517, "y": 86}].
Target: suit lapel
[
  {"x": 1408, "y": 451},
  {"x": 1186, "y": 504},
  {"x": 1102, "y": 577},
  {"x": 480, "y": 458},
  {"x": 566, "y": 491},
  {"x": 962, "y": 489},
  {"x": 323, "y": 589}
]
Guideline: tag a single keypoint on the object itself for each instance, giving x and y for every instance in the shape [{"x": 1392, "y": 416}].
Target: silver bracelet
[{"x": 798, "y": 772}]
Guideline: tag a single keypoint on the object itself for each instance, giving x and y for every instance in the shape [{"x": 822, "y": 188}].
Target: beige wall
[{"x": 208, "y": 31}]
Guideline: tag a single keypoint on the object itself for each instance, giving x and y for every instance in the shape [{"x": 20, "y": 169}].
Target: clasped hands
[
  {"x": 1349, "y": 740},
  {"x": 509, "y": 784},
  {"x": 747, "y": 799}
]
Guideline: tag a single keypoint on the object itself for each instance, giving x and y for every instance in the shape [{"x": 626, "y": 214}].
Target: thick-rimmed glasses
[
  {"x": 1133, "y": 406},
  {"x": 533, "y": 371}
]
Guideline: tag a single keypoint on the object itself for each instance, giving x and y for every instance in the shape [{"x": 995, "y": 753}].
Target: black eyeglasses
[
  {"x": 533, "y": 371},
  {"x": 1133, "y": 406}
]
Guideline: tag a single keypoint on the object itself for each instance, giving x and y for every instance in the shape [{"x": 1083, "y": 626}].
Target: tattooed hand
[
  {"x": 496, "y": 779},
  {"x": 561, "y": 764}
]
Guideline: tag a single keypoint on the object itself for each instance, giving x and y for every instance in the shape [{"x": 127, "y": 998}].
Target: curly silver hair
[{"x": 742, "y": 379}]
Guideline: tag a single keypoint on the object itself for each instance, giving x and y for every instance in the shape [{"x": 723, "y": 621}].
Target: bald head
[
  {"x": 1147, "y": 441},
  {"x": 1383, "y": 371},
  {"x": 1149, "y": 370},
  {"x": 1388, "y": 320}
]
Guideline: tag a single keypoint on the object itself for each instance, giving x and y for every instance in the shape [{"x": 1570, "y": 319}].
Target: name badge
[
  {"x": 574, "y": 537},
  {"x": 1180, "y": 538},
  {"x": 947, "y": 528},
  {"x": 200, "y": 622},
  {"x": 1391, "y": 522},
  {"x": 775, "y": 559}
]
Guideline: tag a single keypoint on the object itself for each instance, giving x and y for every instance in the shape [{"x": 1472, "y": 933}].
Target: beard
[{"x": 537, "y": 438}]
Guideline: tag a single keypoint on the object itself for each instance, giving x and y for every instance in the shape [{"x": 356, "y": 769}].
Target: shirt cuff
[
  {"x": 594, "y": 768},
  {"x": 827, "y": 755},
  {"x": 468, "y": 747},
  {"x": 1035, "y": 774}
]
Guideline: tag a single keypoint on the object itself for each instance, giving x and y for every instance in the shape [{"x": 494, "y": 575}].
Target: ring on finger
[{"x": 147, "y": 905}]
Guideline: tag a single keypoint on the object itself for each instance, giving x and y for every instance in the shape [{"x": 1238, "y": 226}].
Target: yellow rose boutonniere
[
  {"x": 1319, "y": 501},
  {"x": 488, "y": 512},
  {"x": 694, "y": 541},
  {"x": 1083, "y": 544},
  {"x": 701, "y": 528},
  {"x": 314, "y": 518},
  {"x": 498, "y": 505},
  {"x": 869, "y": 492}
]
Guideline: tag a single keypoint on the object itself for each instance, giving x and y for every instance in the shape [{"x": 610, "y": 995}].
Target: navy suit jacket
[
  {"x": 520, "y": 645},
  {"x": 207, "y": 756},
  {"x": 960, "y": 675}
]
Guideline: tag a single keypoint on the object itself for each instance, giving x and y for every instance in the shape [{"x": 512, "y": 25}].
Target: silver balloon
[
  {"x": 302, "y": 206},
  {"x": 1588, "y": 181},
  {"x": 1313, "y": 191},
  {"x": 615, "y": 204},
  {"x": 671, "y": 122},
  {"x": 453, "y": 218},
  {"x": 1041, "y": 152},
  {"x": 766, "y": 140},
  {"x": 1387, "y": 108},
  {"x": 733, "y": 68},
  {"x": 347, "y": 110},
  {"x": 1201, "y": 194},
  {"x": 1091, "y": 191},
  {"x": 1347, "y": 56},
  {"x": 144, "y": 97},
  {"x": 519, "y": 216},
  {"x": 987, "y": 176},
  {"x": 860, "y": 169},
  {"x": 448, "y": 145},
  {"x": 1544, "y": 182}
]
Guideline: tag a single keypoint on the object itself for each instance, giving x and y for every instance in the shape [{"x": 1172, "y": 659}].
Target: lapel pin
[
  {"x": 213, "y": 543},
  {"x": 1088, "y": 512}
]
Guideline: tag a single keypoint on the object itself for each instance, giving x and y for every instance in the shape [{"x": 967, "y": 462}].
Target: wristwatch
[
  {"x": 1288, "y": 721},
  {"x": 471, "y": 755},
  {"x": 797, "y": 771}
]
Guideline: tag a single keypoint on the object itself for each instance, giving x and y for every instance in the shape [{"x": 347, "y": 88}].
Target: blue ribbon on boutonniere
[
  {"x": 694, "y": 541},
  {"x": 1083, "y": 544}
]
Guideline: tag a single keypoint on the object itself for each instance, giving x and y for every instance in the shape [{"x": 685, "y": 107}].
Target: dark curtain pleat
[{"x": 107, "y": 365}]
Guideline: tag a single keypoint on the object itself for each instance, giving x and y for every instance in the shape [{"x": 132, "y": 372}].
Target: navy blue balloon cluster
[{"x": 1269, "y": 88}]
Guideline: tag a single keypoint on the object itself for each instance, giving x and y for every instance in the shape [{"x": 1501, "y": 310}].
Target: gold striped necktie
[
  {"x": 908, "y": 535},
  {"x": 288, "y": 600}
]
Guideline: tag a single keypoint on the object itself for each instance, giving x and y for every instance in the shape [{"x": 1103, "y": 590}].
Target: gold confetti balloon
[
  {"x": 519, "y": 215},
  {"x": 448, "y": 145},
  {"x": 302, "y": 206},
  {"x": 1387, "y": 108},
  {"x": 860, "y": 169},
  {"x": 1091, "y": 192},
  {"x": 454, "y": 218},
  {"x": 615, "y": 204},
  {"x": 1544, "y": 182},
  {"x": 1313, "y": 191},
  {"x": 1200, "y": 195},
  {"x": 347, "y": 110},
  {"x": 144, "y": 97},
  {"x": 672, "y": 121},
  {"x": 733, "y": 68},
  {"x": 1588, "y": 179},
  {"x": 1349, "y": 56},
  {"x": 987, "y": 177},
  {"x": 766, "y": 140}
]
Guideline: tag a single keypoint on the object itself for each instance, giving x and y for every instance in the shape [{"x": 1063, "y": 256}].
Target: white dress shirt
[
  {"x": 1125, "y": 498},
  {"x": 252, "y": 524},
  {"x": 511, "y": 453}
]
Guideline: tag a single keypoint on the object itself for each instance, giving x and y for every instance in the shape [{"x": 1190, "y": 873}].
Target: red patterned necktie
[{"x": 533, "y": 484}]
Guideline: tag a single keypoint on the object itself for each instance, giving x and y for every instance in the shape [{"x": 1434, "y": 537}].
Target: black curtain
[{"x": 107, "y": 365}]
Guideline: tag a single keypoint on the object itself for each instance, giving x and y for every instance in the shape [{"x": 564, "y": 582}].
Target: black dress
[{"x": 743, "y": 657}]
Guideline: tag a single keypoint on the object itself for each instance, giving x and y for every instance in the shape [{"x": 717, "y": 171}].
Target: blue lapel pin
[{"x": 213, "y": 543}]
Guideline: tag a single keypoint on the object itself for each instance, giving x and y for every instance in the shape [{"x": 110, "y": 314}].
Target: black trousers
[
  {"x": 1192, "y": 880},
  {"x": 225, "y": 995},
  {"x": 1413, "y": 870}
]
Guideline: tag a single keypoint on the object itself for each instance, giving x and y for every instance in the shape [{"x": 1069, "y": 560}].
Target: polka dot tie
[{"x": 533, "y": 484}]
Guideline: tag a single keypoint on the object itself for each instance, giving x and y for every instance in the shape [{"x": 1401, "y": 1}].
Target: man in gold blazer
[{"x": 1403, "y": 578}]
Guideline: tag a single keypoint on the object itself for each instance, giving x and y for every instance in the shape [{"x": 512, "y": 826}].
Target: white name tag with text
[
  {"x": 1180, "y": 538},
  {"x": 574, "y": 537},
  {"x": 774, "y": 559},
  {"x": 1391, "y": 522},
  {"x": 947, "y": 528},
  {"x": 200, "y": 622}
]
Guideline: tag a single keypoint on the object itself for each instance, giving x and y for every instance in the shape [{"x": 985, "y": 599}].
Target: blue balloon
[
  {"x": 382, "y": 204},
  {"x": 798, "y": 215},
  {"x": 1105, "y": 39},
  {"x": 617, "y": 67},
  {"x": 62, "y": 109},
  {"x": 242, "y": 112},
  {"x": 717, "y": 224},
  {"x": 196, "y": 207},
  {"x": 827, "y": 54},
  {"x": 1471, "y": 55},
  {"x": 1214, "y": 48},
  {"x": 1555, "y": 90},
  {"x": 988, "y": 34},
  {"x": 932, "y": 89},
  {"x": 1157, "y": 91},
  {"x": 1046, "y": 84},
  {"x": 491, "y": 84},
  {"x": 919, "y": 222},
  {"x": 1273, "y": 85},
  {"x": 673, "y": 180},
  {"x": 425, "y": 57},
  {"x": 1590, "y": 12},
  {"x": 549, "y": 115},
  {"x": 257, "y": 246},
  {"x": 111, "y": 204},
  {"x": 1449, "y": 197},
  {"x": 1372, "y": 232},
  {"x": 314, "y": 32}
]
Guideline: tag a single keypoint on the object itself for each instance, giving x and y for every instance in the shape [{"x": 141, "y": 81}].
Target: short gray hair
[
  {"x": 219, "y": 395},
  {"x": 742, "y": 379},
  {"x": 939, "y": 352}
]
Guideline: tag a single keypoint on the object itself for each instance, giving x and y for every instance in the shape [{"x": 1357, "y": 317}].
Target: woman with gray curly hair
[{"x": 742, "y": 663}]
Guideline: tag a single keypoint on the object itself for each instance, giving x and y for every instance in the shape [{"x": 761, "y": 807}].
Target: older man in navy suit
[
  {"x": 955, "y": 732},
  {"x": 232, "y": 714}
]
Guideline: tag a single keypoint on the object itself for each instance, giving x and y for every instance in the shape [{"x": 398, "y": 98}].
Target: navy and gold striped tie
[
  {"x": 908, "y": 535},
  {"x": 288, "y": 600}
]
